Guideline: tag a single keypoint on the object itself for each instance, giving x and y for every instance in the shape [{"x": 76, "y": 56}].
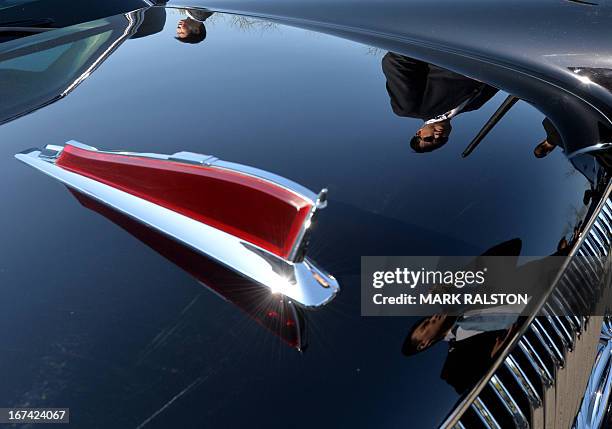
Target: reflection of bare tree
[
  {"x": 374, "y": 51},
  {"x": 251, "y": 24},
  {"x": 574, "y": 215},
  {"x": 243, "y": 23}
]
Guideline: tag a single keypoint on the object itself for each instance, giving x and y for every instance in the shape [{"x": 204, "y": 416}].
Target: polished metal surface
[
  {"x": 509, "y": 403},
  {"x": 485, "y": 416},
  {"x": 301, "y": 243},
  {"x": 134, "y": 20},
  {"x": 301, "y": 281},
  {"x": 598, "y": 392}
]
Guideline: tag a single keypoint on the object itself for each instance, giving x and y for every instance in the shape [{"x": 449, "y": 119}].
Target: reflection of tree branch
[
  {"x": 572, "y": 225},
  {"x": 247, "y": 24},
  {"x": 372, "y": 50},
  {"x": 241, "y": 22}
]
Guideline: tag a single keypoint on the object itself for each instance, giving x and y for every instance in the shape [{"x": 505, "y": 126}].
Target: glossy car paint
[
  {"x": 106, "y": 326},
  {"x": 551, "y": 53}
]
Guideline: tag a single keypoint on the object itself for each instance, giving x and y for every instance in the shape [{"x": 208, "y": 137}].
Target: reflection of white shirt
[
  {"x": 198, "y": 15},
  {"x": 476, "y": 322}
]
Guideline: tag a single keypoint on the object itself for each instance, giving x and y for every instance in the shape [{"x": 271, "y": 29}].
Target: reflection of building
[
  {"x": 272, "y": 311},
  {"x": 41, "y": 69}
]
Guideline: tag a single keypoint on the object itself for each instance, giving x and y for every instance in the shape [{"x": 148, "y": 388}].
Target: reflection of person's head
[
  {"x": 189, "y": 30},
  {"x": 425, "y": 333},
  {"x": 431, "y": 136},
  {"x": 543, "y": 149}
]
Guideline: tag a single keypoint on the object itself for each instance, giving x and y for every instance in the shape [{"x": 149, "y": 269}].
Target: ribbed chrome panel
[
  {"x": 485, "y": 416},
  {"x": 518, "y": 417},
  {"x": 550, "y": 349},
  {"x": 599, "y": 389}
]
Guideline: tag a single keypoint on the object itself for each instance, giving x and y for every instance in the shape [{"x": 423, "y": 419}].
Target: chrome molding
[
  {"x": 299, "y": 247},
  {"x": 599, "y": 389},
  {"x": 303, "y": 282},
  {"x": 134, "y": 20},
  {"x": 590, "y": 149},
  {"x": 485, "y": 415},
  {"x": 509, "y": 403},
  {"x": 523, "y": 381}
]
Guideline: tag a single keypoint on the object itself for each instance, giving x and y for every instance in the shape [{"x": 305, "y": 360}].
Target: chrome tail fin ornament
[{"x": 252, "y": 221}]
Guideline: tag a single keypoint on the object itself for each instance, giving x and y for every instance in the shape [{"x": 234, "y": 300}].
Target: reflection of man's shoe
[{"x": 543, "y": 149}]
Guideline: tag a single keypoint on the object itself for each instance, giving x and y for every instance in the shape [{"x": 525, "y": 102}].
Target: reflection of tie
[{"x": 454, "y": 112}]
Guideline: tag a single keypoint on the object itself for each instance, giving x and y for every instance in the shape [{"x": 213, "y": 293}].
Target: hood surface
[{"x": 106, "y": 325}]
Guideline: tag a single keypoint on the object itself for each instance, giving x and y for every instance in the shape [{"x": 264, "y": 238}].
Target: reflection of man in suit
[
  {"x": 433, "y": 94},
  {"x": 474, "y": 339},
  {"x": 474, "y": 336},
  {"x": 477, "y": 334}
]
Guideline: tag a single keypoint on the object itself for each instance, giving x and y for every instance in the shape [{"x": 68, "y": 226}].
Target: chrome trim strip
[
  {"x": 523, "y": 381},
  {"x": 556, "y": 332},
  {"x": 589, "y": 270},
  {"x": 567, "y": 312},
  {"x": 567, "y": 285},
  {"x": 608, "y": 225},
  {"x": 577, "y": 291},
  {"x": 599, "y": 388},
  {"x": 536, "y": 362},
  {"x": 548, "y": 344},
  {"x": 589, "y": 249},
  {"x": 600, "y": 231},
  {"x": 589, "y": 149},
  {"x": 302, "y": 282},
  {"x": 298, "y": 249},
  {"x": 594, "y": 236},
  {"x": 509, "y": 403},
  {"x": 607, "y": 212},
  {"x": 270, "y": 177},
  {"x": 484, "y": 414},
  {"x": 559, "y": 326},
  {"x": 134, "y": 19}
]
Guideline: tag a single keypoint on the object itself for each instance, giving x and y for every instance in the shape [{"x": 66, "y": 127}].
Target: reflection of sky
[
  {"x": 306, "y": 106},
  {"x": 301, "y": 99}
]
